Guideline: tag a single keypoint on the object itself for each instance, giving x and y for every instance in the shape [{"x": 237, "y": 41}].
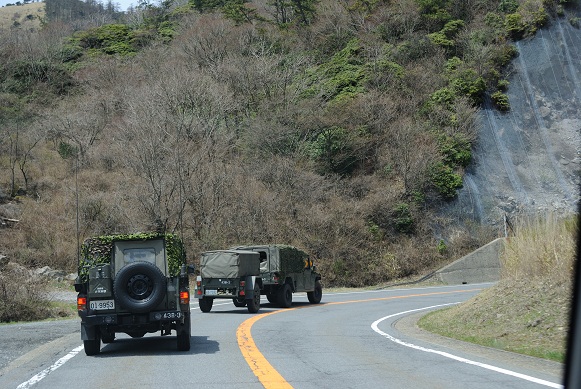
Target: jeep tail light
[
  {"x": 81, "y": 303},
  {"x": 242, "y": 285},
  {"x": 199, "y": 287},
  {"x": 185, "y": 297}
]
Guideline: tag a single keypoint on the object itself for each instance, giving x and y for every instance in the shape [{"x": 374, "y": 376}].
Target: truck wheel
[
  {"x": 139, "y": 287},
  {"x": 285, "y": 296},
  {"x": 93, "y": 346},
  {"x": 316, "y": 295},
  {"x": 272, "y": 298},
  {"x": 239, "y": 303},
  {"x": 136, "y": 334},
  {"x": 206, "y": 304},
  {"x": 184, "y": 335},
  {"x": 254, "y": 303}
]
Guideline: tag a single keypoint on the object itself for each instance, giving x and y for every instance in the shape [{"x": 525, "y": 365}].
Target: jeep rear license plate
[
  {"x": 172, "y": 315},
  {"x": 211, "y": 292},
  {"x": 102, "y": 304}
]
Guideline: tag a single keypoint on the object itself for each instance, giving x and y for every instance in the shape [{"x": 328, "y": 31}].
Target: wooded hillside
[{"x": 336, "y": 126}]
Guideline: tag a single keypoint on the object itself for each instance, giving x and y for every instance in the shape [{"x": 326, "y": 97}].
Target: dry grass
[
  {"x": 528, "y": 310},
  {"x": 26, "y": 16},
  {"x": 21, "y": 296},
  {"x": 543, "y": 247}
]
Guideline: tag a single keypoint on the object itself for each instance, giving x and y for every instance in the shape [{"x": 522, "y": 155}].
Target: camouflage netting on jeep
[
  {"x": 292, "y": 260},
  {"x": 97, "y": 251}
]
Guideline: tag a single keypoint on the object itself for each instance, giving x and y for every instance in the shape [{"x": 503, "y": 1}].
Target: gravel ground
[{"x": 21, "y": 338}]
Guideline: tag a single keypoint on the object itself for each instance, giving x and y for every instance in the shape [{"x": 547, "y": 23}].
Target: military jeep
[
  {"x": 229, "y": 274},
  {"x": 133, "y": 284},
  {"x": 285, "y": 270}
]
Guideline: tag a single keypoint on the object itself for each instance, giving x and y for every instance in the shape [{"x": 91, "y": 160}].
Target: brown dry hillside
[{"x": 21, "y": 16}]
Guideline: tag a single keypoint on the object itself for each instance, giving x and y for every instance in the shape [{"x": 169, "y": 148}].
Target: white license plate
[
  {"x": 211, "y": 292},
  {"x": 102, "y": 304}
]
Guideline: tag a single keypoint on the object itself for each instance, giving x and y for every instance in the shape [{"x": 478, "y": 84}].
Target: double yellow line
[{"x": 263, "y": 370}]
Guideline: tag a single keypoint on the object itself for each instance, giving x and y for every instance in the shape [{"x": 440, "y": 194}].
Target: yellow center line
[{"x": 263, "y": 370}]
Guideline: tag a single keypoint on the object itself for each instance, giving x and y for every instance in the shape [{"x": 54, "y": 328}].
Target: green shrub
[
  {"x": 333, "y": 150},
  {"x": 441, "y": 247},
  {"x": 66, "y": 150},
  {"x": 500, "y": 101},
  {"x": 343, "y": 76},
  {"x": 456, "y": 149},
  {"x": 444, "y": 37},
  {"x": 403, "y": 221},
  {"x": 445, "y": 180},
  {"x": 109, "y": 39},
  {"x": 514, "y": 25},
  {"x": 508, "y": 6}
]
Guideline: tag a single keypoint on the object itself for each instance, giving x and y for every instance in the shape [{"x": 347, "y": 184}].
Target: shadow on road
[{"x": 157, "y": 345}]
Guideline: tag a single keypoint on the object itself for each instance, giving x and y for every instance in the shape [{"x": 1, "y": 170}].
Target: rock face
[{"x": 527, "y": 159}]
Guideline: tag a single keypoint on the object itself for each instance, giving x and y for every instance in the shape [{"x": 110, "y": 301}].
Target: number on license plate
[
  {"x": 211, "y": 292},
  {"x": 172, "y": 315},
  {"x": 102, "y": 304}
]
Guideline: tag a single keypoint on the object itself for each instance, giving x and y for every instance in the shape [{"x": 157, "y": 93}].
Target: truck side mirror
[{"x": 191, "y": 269}]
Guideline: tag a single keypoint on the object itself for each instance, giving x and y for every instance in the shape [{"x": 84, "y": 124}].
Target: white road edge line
[
  {"x": 454, "y": 357},
  {"x": 47, "y": 371}
]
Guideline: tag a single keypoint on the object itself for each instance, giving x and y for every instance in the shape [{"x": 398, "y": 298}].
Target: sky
[{"x": 123, "y": 4}]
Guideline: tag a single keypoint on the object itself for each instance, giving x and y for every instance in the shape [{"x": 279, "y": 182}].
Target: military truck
[
  {"x": 133, "y": 284},
  {"x": 229, "y": 274},
  {"x": 285, "y": 270}
]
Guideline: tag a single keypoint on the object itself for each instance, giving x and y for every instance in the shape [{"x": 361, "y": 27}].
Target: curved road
[{"x": 350, "y": 340}]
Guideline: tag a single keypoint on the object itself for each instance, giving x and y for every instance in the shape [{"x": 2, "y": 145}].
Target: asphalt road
[{"x": 351, "y": 340}]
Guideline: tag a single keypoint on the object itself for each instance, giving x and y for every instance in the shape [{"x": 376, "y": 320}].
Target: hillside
[
  {"x": 344, "y": 128},
  {"x": 25, "y": 16}
]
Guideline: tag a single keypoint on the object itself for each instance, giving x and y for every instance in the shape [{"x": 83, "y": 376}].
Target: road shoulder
[{"x": 407, "y": 325}]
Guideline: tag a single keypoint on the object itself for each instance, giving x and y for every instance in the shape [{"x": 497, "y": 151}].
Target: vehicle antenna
[{"x": 77, "y": 208}]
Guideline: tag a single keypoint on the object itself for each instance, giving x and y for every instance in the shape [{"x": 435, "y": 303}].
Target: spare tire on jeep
[{"x": 139, "y": 287}]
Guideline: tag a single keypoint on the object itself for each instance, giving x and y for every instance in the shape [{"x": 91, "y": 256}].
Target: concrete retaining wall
[{"x": 481, "y": 265}]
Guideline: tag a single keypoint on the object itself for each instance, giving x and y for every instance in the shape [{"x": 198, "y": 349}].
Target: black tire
[
  {"x": 285, "y": 296},
  {"x": 107, "y": 337},
  {"x": 272, "y": 298},
  {"x": 93, "y": 346},
  {"x": 139, "y": 287},
  {"x": 136, "y": 334},
  {"x": 206, "y": 304},
  {"x": 239, "y": 303},
  {"x": 184, "y": 334},
  {"x": 316, "y": 295},
  {"x": 254, "y": 303}
]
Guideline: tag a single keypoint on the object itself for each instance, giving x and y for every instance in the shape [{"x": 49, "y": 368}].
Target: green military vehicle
[
  {"x": 285, "y": 270},
  {"x": 229, "y": 274},
  {"x": 133, "y": 284}
]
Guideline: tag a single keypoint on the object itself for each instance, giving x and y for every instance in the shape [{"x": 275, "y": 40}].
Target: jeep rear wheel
[
  {"x": 206, "y": 304},
  {"x": 107, "y": 337},
  {"x": 93, "y": 346},
  {"x": 184, "y": 334},
  {"x": 139, "y": 287},
  {"x": 316, "y": 295},
  {"x": 285, "y": 296},
  {"x": 254, "y": 303}
]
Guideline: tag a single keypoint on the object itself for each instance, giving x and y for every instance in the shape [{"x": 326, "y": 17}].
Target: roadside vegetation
[
  {"x": 528, "y": 310},
  {"x": 340, "y": 127}
]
